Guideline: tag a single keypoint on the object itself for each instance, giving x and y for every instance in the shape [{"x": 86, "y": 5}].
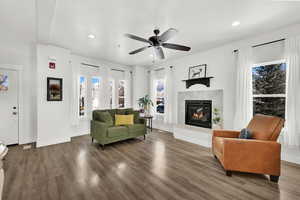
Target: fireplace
[{"x": 198, "y": 113}]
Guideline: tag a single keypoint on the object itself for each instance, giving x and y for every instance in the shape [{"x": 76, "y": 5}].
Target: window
[
  {"x": 160, "y": 96},
  {"x": 82, "y": 95},
  {"x": 121, "y": 94},
  {"x": 95, "y": 92},
  {"x": 111, "y": 95},
  {"x": 269, "y": 83}
]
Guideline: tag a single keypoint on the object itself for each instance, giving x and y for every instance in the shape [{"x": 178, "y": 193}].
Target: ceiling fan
[{"x": 158, "y": 41}]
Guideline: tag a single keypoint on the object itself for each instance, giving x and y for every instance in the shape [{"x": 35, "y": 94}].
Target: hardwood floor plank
[{"x": 157, "y": 168}]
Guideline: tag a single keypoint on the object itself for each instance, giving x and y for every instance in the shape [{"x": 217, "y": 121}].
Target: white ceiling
[
  {"x": 17, "y": 21},
  {"x": 202, "y": 24}
]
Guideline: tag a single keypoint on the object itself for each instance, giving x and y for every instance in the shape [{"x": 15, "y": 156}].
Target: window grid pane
[
  {"x": 95, "y": 92},
  {"x": 121, "y": 94},
  {"x": 269, "y": 82},
  {"x": 82, "y": 95}
]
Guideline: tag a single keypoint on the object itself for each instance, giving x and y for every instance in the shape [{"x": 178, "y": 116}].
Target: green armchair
[{"x": 105, "y": 132}]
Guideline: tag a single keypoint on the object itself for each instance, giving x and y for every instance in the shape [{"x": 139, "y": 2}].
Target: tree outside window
[
  {"x": 121, "y": 94},
  {"x": 269, "y": 94}
]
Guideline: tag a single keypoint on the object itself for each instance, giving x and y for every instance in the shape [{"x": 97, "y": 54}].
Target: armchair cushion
[
  {"x": 104, "y": 117},
  {"x": 117, "y": 131},
  {"x": 136, "y": 128},
  {"x": 136, "y": 116},
  {"x": 265, "y": 127}
]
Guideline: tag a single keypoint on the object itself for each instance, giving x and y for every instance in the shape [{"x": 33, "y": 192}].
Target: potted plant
[
  {"x": 145, "y": 103},
  {"x": 216, "y": 119}
]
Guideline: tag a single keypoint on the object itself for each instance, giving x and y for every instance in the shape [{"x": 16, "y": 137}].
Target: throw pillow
[
  {"x": 245, "y": 134},
  {"x": 124, "y": 120},
  {"x": 106, "y": 118}
]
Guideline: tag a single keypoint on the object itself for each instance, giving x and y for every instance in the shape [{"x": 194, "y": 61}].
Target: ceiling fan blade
[
  {"x": 134, "y": 37},
  {"x": 139, "y": 50},
  {"x": 176, "y": 47},
  {"x": 159, "y": 52},
  {"x": 168, "y": 34}
]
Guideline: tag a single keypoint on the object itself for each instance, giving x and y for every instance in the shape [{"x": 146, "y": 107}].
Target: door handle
[{"x": 14, "y": 113}]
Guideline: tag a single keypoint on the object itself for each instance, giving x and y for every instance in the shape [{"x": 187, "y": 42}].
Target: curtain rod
[
  {"x": 263, "y": 44},
  {"x": 266, "y": 43},
  {"x": 119, "y": 70},
  {"x": 90, "y": 65},
  {"x": 159, "y": 69}
]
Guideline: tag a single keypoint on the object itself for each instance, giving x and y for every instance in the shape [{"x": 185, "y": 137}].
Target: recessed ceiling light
[
  {"x": 236, "y": 23},
  {"x": 151, "y": 55},
  {"x": 91, "y": 36}
]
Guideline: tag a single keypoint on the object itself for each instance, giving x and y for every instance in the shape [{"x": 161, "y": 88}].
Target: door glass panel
[
  {"x": 95, "y": 92},
  {"x": 82, "y": 96}
]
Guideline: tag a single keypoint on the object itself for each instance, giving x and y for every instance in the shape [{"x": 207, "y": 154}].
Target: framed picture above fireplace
[{"x": 198, "y": 71}]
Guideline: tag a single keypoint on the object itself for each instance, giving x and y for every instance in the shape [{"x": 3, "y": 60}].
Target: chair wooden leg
[
  {"x": 228, "y": 173},
  {"x": 92, "y": 140},
  {"x": 274, "y": 179},
  {"x": 144, "y": 137}
]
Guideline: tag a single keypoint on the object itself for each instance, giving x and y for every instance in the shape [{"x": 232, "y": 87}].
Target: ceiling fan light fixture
[
  {"x": 91, "y": 36},
  {"x": 236, "y": 23}
]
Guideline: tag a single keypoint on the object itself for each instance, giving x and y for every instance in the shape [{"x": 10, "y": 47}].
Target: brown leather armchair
[{"x": 260, "y": 155}]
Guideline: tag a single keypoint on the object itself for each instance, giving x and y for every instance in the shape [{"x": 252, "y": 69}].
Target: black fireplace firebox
[{"x": 198, "y": 113}]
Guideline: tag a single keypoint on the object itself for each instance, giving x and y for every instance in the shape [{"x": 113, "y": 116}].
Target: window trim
[{"x": 269, "y": 63}]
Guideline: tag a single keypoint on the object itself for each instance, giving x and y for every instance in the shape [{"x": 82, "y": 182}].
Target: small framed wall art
[
  {"x": 54, "y": 89},
  {"x": 198, "y": 71},
  {"x": 3, "y": 82}
]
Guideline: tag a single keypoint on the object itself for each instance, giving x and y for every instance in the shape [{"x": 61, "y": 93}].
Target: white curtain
[
  {"x": 152, "y": 91},
  {"x": 292, "y": 125},
  {"x": 168, "y": 115},
  {"x": 128, "y": 80},
  {"x": 75, "y": 94},
  {"x": 244, "y": 105}
]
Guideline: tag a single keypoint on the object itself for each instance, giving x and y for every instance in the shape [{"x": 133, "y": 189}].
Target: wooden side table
[{"x": 148, "y": 121}]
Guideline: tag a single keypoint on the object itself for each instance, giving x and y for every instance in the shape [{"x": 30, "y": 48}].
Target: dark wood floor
[{"x": 160, "y": 167}]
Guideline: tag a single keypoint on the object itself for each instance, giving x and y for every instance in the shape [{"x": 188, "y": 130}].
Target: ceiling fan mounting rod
[{"x": 156, "y": 31}]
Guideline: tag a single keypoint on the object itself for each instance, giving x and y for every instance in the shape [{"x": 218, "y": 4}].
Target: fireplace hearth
[{"x": 198, "y": 113}]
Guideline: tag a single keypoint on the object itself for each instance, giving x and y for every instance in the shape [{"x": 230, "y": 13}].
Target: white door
[{"x": 9, "y": 121}]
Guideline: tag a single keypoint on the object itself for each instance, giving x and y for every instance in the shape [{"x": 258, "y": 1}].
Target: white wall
[
  {"x": 53, "y": 117},
  {"x": 23, "y": 54},
  {"x": 220, "y": 65},
  {"x": 139, "y": 84}
]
